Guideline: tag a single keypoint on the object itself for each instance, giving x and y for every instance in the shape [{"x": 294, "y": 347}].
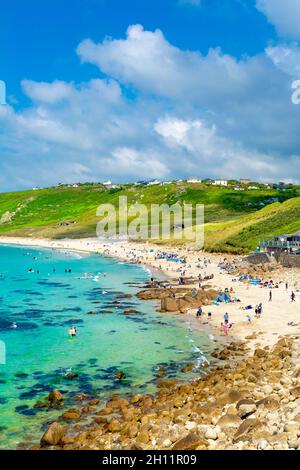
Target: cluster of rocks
[
  {"x": 253, "y": 403},
  {"x": 179, "y": 299}
]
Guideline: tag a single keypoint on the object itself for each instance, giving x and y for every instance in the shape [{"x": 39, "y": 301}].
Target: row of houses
[
  {"x": 237, "y": 185},
  {"x": 191, "y": 180}
]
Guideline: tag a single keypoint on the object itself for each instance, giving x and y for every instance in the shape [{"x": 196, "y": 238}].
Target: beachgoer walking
[
  {"x": 270, "y": 296},
  {"x": 226, "y": 318},
  {"x": 293, "y": 297},
  {"x": 199, "y": 312},
  {"x": 225, "y": 327}
]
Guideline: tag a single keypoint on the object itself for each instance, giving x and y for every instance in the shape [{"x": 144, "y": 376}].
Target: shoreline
[{"x": 277, "y": 315}]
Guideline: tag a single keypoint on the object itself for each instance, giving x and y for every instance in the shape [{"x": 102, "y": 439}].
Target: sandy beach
[{"x": 280, "y": 316}]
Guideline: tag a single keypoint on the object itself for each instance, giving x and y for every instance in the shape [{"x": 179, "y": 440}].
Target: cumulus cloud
[
  {"x": 283, "y": 14},
  {"x": 211, "y": 115},
  {"x": 207, "y": 146},
  {"x": 147, "y": 61},
  {"x": 46, "y": 92},
  {"x": 286, "y": 58}
]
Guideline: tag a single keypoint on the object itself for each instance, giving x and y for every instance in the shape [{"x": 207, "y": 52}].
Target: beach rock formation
[
  {"x": 53, "y": 435},
  {"x": 179, "y": 299},
  {"x": 55, "y": 397}
]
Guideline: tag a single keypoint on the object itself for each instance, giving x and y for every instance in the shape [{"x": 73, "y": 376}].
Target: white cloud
[
  {"x": 284, "y": 15},
  {"x": 189, "y": 113},
  {"x": 147, "y": 61},
  {"x": 47, "y": 92},
  {"x": 286, "y": 58},
  {"x": 223, "y": 156}
]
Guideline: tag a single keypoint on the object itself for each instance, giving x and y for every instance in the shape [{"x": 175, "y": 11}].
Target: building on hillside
[
  {"x": 194, "y": 180},
  {"x": 110, "y": 185},
  {"x": 281, "y": 187},
  {"x": 244, "y": 181},
  {"x": 220, "y": 183},
  {"x": 281, "y": 243},
  {"x": 153, "y": 182}
]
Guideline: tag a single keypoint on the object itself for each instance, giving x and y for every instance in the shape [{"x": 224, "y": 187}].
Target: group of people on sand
[
  {"x": 200, "y": 314},
  {"x": 258, "y": 310}
]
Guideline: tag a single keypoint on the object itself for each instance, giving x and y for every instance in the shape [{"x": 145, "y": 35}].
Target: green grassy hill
[{"x": 234, "y": 220}]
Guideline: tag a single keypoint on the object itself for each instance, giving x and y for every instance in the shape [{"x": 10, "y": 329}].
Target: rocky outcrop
[
  {"x": 53, "y": 435},
  {"x": 55, "y": 399},
  {"x": 248, "y": 403},
  {"x": 190, "y": 442}
]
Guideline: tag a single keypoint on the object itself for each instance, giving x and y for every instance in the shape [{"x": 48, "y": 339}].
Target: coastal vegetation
[{"x": 235, "y": 220}]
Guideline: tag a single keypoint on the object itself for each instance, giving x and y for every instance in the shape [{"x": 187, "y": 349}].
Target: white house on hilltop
[
  {"x": 153, "y": 182},
  {"x": 220, "y": 183},
  {"x": 194, "y": 180}
]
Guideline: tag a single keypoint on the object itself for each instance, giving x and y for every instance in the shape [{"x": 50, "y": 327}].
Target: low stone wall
[{"x": 288, "y": 261}]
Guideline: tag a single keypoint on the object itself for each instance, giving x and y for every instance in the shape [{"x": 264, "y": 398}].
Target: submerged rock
[
  {"x": 120, "y": 375},
  {"x": 71, "y": 376},
  {"x": 71, "y": 414}
]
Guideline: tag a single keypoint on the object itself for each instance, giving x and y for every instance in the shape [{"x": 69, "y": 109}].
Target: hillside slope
[{"x": 234, "y": 220}]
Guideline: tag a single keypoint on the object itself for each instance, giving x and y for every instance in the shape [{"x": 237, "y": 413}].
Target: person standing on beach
[
  {"x": 293, "y": 297},
  {"x": 270, "y": 296},
  {"x": 226, "y": 318},
  {"x": 199, "y": 312}
]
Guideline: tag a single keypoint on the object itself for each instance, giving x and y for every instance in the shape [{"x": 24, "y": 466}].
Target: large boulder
[
  {"x": 246, "y": 429},
  {"x": 169, "y": 304},
  {"x": 229, "y": 421},
  {"x": 55, "y": 397},
  {"x": 190, "y": 442},
  {"x": 53, "y": 435},
  {"x": 152, "y": 294},
  {"x": 71, "y": 414}
]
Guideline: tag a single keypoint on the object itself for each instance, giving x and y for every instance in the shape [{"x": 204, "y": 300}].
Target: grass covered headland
[{"x": 236, "y": 218}]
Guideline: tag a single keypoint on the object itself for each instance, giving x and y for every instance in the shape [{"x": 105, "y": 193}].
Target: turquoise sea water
[{"x": 39, "y": 301}]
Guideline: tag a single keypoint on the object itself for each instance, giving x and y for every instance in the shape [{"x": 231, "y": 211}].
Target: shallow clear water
[{"x": 36, "y": 310}]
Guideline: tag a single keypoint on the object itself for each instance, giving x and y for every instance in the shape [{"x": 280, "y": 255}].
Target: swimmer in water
[{"x": 72, "y": 331}]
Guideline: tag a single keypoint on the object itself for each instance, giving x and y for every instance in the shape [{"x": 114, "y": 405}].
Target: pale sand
[{"x": 276, "y": 314}]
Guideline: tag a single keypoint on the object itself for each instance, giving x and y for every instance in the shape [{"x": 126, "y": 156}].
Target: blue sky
[
  {"x": 129, "y": 89},
  {"x": 38, "y": 39}
]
